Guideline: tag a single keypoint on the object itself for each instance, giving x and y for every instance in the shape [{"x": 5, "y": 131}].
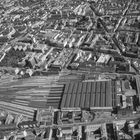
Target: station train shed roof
[{"x": 96, "y": 94}]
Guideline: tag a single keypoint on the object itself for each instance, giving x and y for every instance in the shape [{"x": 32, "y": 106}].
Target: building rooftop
[{"x": 87, "y": 95}]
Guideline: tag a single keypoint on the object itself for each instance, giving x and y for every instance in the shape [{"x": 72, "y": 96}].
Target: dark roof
[
  {"x": 87, "y": 94},
  {"x": 138, "y": 85}
]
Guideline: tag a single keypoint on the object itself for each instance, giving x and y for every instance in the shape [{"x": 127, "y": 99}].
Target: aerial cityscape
[{"x": 69, "y": 69}]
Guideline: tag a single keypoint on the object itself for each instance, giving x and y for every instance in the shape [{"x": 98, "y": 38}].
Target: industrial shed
[{"x": 94, "y": 95}]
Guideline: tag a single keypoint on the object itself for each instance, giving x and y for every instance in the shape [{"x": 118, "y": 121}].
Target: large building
[{"x": 96, "y": 95}]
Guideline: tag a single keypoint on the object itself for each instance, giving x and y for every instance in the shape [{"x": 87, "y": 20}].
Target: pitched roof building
[{"x": 94, "y": 95}]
